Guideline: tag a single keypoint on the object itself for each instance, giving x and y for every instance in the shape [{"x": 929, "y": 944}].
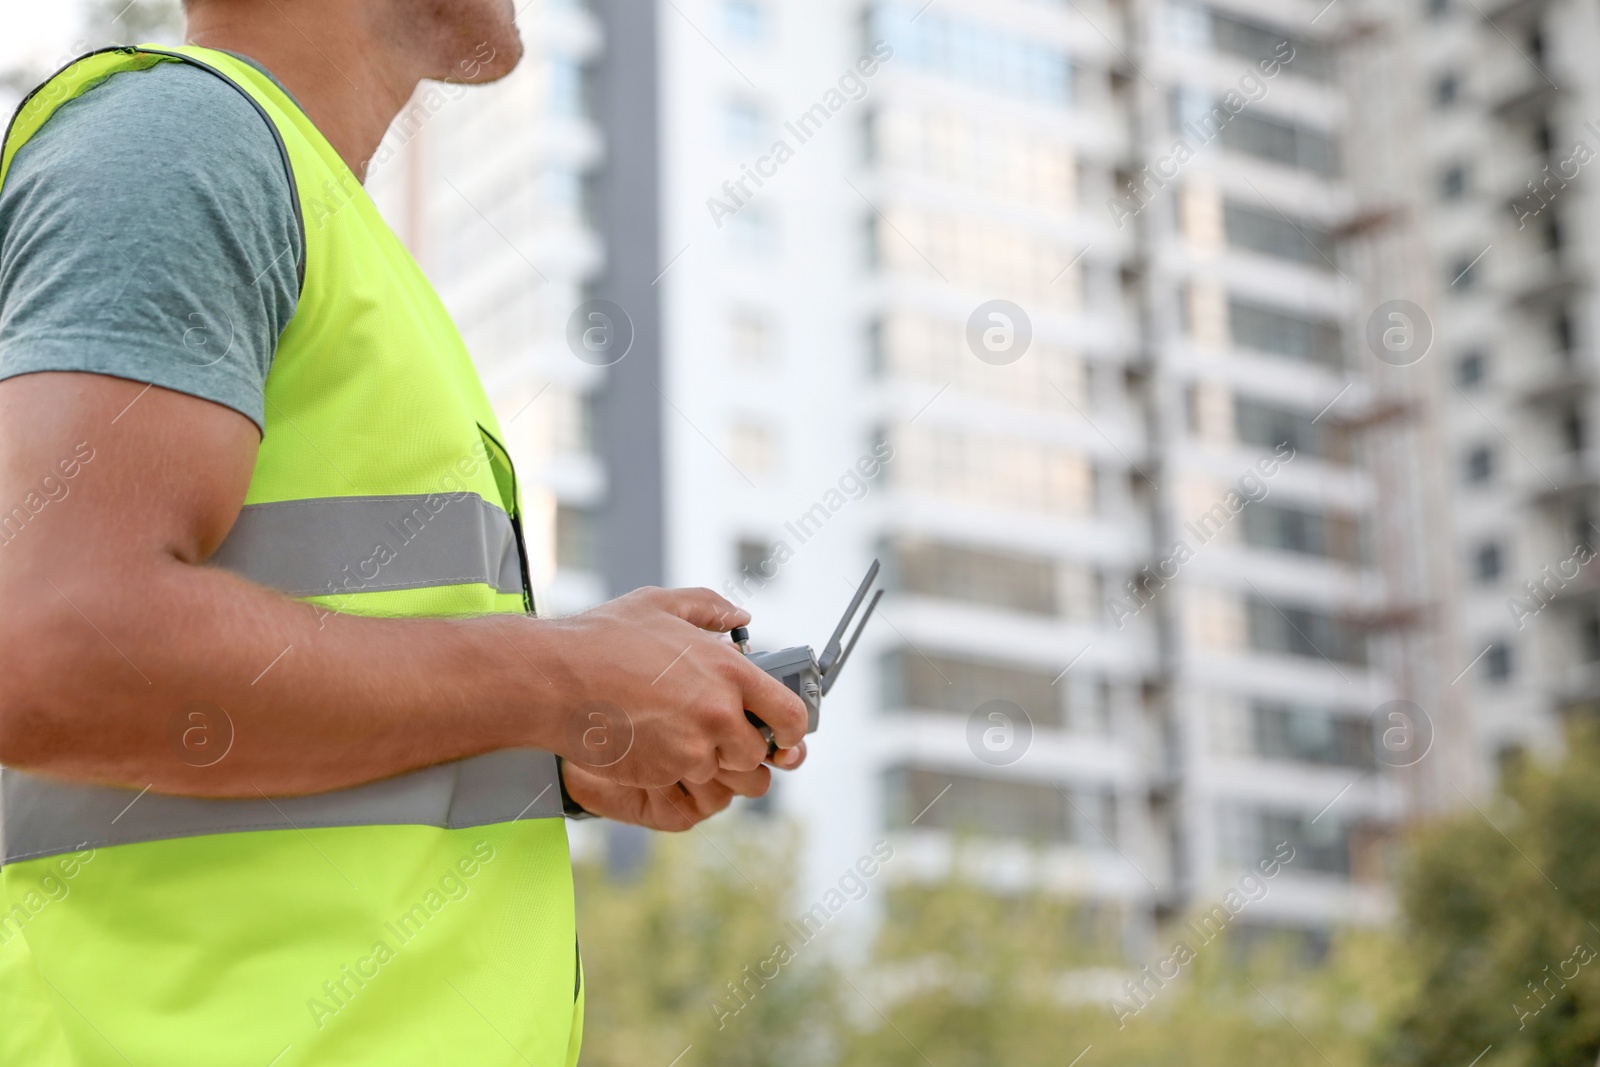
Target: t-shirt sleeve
[{"x": 147, "y": 231}]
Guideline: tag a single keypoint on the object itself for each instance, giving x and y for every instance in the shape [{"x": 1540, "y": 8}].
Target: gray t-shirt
[{"x": 147, "y": 231}]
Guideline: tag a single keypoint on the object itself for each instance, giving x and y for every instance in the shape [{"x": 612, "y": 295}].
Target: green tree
[
  {"x": 962, "y": 977},
  {"x": 1501, "y": 918},
  {"x": 660, "y": 951},
  {"x": 956, "y": 975}
]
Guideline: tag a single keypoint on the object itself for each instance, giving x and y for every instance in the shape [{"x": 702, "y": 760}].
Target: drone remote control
[{"x": 805, "y": 673}]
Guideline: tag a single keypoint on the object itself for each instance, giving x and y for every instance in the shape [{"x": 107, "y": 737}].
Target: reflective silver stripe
[
  {"x": 361, "y": 544},
  {"x": 42, "y": 816}
]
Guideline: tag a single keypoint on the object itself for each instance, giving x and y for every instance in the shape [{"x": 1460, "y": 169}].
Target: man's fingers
[
  {"x": 745, "y": 751},
  {"x": 703, "y": 608},
  {"x": 747, "y": 783},
  {"x": 705, "y": 799},
  {"x": 774, "y": 704},
  {"x": 711, "y": 797},
  {"x": 789, "y": 758}
]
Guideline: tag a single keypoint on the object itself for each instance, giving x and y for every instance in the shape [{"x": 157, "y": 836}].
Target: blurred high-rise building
[
  {"x": 1508, "y": 108},
  {"x": 1147, "y": 343}
]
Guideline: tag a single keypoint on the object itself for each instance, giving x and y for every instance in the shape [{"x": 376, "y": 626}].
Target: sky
[{"x": 37, "y": 34}]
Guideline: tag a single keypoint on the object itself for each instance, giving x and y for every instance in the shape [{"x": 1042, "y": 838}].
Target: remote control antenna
[
  {"x": 828, "y": 676},
  {"x": 830, "y": 652}
]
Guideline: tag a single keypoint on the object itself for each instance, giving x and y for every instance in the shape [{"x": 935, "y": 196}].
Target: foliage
[
  {"x": 1010, "y": 980},
  {"x": 659, "y": 951},
  {"x": 1500, "y": 908},
  {"x": 1494, "y": 960},
  {"x": 957, "y": 976}
]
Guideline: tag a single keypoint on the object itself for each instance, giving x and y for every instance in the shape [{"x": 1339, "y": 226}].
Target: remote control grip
[{"x": 766, "y": 731}]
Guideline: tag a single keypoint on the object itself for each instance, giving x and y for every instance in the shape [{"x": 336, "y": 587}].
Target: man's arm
[{"x": 112, "y": 624}]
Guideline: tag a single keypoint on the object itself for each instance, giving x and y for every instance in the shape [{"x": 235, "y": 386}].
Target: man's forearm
[{"x": 126, "y": 685}]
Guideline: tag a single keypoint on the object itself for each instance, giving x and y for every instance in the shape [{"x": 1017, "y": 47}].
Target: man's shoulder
[
  {"x": 171, "y": 112},
  {"x": 152, "y": 205}
]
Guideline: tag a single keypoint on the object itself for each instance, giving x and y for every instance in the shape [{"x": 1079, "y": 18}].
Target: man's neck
[{"x": 345, "y": 76}]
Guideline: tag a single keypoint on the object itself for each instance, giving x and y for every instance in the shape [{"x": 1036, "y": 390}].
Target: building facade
[{"x": 1143, "y": 342}]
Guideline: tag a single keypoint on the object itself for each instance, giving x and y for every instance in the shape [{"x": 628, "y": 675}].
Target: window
[
  {"x": 1470, "y": 369},
  {"x": 1284, "y": 333},
  {"x": 753, "y": 559},
  {"x": 1006, "y": 159},
  {"x": 957, "y": 685},
  {"x": 564, "y": 190},
  {"x": 744, "y": 126},
  {"x": 977, "y": 576},
  {"x": 1497, "y": 662},
  {"x": 963, "y": 49},
  {"x": 1322, "y": 843},
  {"x": 1033, "y": 811},
  {"x": 570, "y": 420},
  {"x": 751, "y": 232},
  {"x": 1267, "y": 426},
  {"x": 1480, "y": 465},
  {"x": 754, "y": 451},
  {"x": 577, "y": 542},
  {"x": 1290, "y": 529},
  {"x": 984, "y": 252},
  {"x": 1280, "y": 142},
  {"x": 1447, "y": 90},
  {"x": 1589, "y": 638},
  {"x": 1453, "y": 182},
  {"x": 1543, "y": 137},
  {"x": 1563, "y": 333},
  {"x": 745, "y": 21},
  {"x": 1296, "y": 631},
  {"x": 1310, "y": 734},
  {"x": 750, "y": 337},
  {"x": 1308, "y": 532},
  {"x": 1274, "y": 235},
  {"x": 568, "y": 89},
  {"x": 1189, "y": 24},
  {"x": 1487, "y": 563},
  {"x": 921, "y": 347},
  {"x": 1322, "y": 846},
  {"x": 1252, "y": 40},
  {"x": 1573, "y": 430},
  {"x": 998, "y": 470}
]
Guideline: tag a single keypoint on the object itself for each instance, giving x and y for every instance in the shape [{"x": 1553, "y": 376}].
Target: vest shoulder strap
[{"x": 93, "y": 68}]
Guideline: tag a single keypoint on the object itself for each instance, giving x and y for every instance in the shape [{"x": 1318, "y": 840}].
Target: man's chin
[
  {"x": 488, "y": 62},
  {"x": 505, "y": 59}
]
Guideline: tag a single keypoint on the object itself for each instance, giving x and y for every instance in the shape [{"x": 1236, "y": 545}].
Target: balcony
[
  {"x": 1552, "y": 379},
  {"x": 1565, "y": 477},
  {"x": 1519, "y": 11},
  {"x": 1546, "y": 280}
]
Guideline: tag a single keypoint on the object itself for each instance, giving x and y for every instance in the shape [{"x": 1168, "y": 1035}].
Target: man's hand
[
  {"x": 667, "y": 807},
  {"x": 661, "y": 695}
]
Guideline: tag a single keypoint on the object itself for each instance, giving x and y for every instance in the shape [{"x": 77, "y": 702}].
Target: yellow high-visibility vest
[{"x": 425, "y": 919}]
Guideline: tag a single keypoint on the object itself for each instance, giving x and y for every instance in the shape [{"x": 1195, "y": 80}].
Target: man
[{"x": 285, "y": 754}]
